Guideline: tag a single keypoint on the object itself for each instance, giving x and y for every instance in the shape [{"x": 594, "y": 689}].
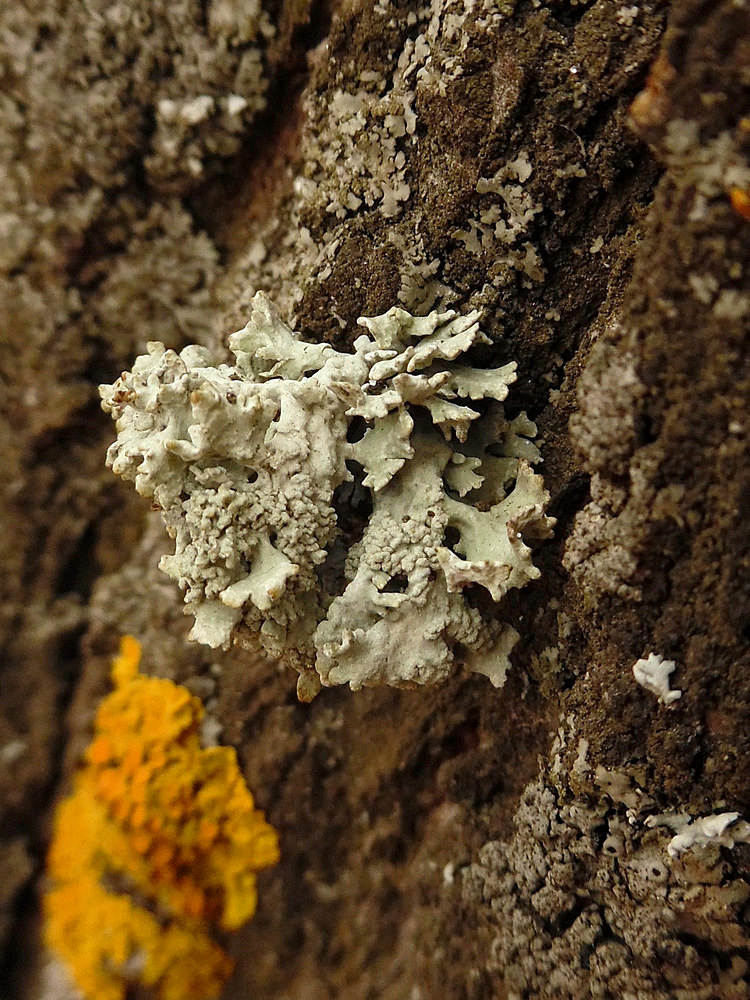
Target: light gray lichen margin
[
  {"x": 263, "y": 470},
  {"x": 722, "y": 829}
]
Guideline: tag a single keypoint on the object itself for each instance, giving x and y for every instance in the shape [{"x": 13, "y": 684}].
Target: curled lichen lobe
[
  {"x": 155, "y": 851},
  {"x": 247, "y": 462}
]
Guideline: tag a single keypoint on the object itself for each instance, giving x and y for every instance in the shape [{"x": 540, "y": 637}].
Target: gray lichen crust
[{"x": 335, "y": 506}]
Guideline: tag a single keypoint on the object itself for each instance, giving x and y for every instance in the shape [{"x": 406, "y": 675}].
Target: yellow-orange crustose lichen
[
  {"x": 740, "y": 200},
  {"x": 155, "y": 850}
]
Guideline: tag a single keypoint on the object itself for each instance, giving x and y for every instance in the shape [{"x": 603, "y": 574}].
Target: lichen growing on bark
[
  {"x": 589, "y": 896},
  {"x": 267, "y": 471},
  {"x": 156, "y": 849}
]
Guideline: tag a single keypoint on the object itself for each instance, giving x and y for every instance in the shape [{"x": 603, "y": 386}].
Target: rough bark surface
[{"x": 579, "y": 172}]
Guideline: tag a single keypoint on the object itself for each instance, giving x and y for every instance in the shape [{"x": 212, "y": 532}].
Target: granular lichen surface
[{"x": 155, "y": 852}]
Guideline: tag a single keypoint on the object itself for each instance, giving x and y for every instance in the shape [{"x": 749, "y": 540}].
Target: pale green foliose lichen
[{"x": 335, "y": 506}]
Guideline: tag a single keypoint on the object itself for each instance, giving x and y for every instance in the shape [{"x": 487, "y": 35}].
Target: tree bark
[{"x": 579, "y": 173}]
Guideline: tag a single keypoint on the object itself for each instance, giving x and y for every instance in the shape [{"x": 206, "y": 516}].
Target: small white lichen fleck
[
  {"x": 723, "y": 829},
  {"x": 504, "y": 222},
  {"x": 12, "y": 751},
  {"x": 653, "y": 673},
  {"x": 627, "y": 15}
]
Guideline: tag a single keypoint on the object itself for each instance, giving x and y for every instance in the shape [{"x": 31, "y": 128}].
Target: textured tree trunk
[{"x": 579, "y": 173}]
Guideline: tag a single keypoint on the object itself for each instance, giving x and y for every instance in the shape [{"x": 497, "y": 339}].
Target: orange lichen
[
  {"x": 740, "y": 201},
  {"x": 155, "y": 850}
]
